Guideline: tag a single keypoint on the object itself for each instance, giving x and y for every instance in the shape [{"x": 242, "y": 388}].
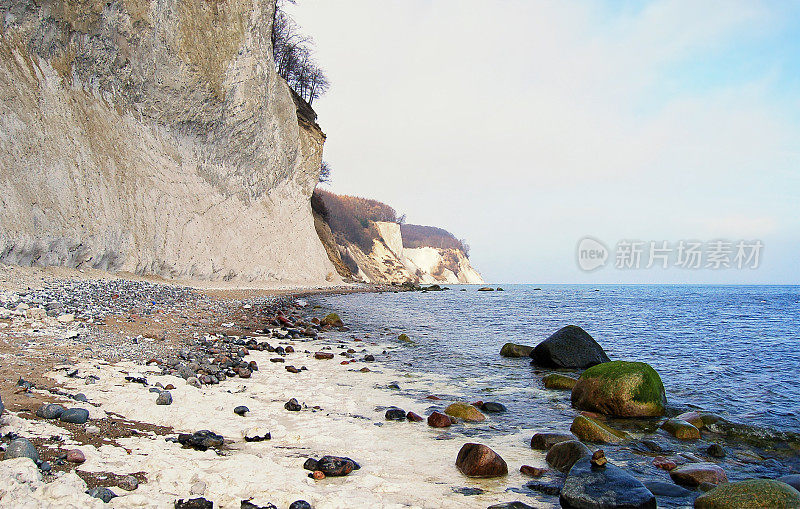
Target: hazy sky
[{"x": 524, "y": 126}]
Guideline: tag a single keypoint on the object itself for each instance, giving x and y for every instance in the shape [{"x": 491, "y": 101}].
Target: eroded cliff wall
[{"x": 154, "y": 137}]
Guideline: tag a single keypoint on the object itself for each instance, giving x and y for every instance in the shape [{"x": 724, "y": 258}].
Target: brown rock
[
  {"x": 544, "y": 441},
  {"x": 598, "y": 458},
  {"x": 664, "y": 463},
  {"x": 243, "y": 372},
  {"x": 323, "y": 356},
  {"x": 411, "y": 416},
  {"x": 532, "y": 471},
  {"x": 289, "y": 349},
  {"x": 564, "y": 454},
  {"x": 477, "y": 460},
  {"x": 169, "y": 387},
  {"x": 75, "y": 456},
  {"x": 439, "y": 420},
  {"x": 693, "y": 474},
  {"x": 292, "y": 369},
  {"x": 317, "y": 475}
]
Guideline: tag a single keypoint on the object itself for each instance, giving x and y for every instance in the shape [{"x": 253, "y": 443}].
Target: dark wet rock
[
  {"x": 569, "y": 347},
  {"x": 241, "y": 410},
  {"x": 369, "y": 358},
  {"x": 750, "y": 494},
  {"x": 532, "y": 471},
  {"x": 336, "y": 466},
  {"x": 544, "y": 441},
  {"x": 194, "y": 503},
  {"x": 607, "y": 487},
  {"x": 244, "y": 372},
  {"x": 511, "y": 505},
  {"x": 310, "y": 464},
  {"x": 102, "y": 493},
  {"x": 792, "y": 480},
  {"x": 246, "y": 504},
  {"x": 514, "y": 350},
  {"x": 413, "y": 417},
  {"x": 592, "y": 430},
  {"x": 292, "y": 369},
  {"x": 201, "y": 440},
  {"x": 164, "y": 398},
  {"x": 45, "y": 466},
  {"x": 300, "y": 504},
  {"x": 75, "y": 415},
  {"x": 680, "y": 429},
  {"x": 395, "y": 414},
  {"x": 467, "y": 491},
  {"x": 547, "y": 487},
  {"x": 693, "y": 474},
  {"x": 492, "y": 407},
  {"x": 465, "y": 412},
  {"x": 50, "y": 411},
  {"x": 292, "y": 405},
  {"x": 477, "y": 460},
  {"x": 439, "y": 420},
  {"x": 80, "y": 397},
  {"x": 716, "y": 451},
  {"x": 563, "y": 455},
  {"x": 485, "y": 289},
  {"x": 620, "y": 389},
  {"x": 21, "y": 448},
  {"x": 257, "y": 434},
  {"x": 668, "y": 490}
]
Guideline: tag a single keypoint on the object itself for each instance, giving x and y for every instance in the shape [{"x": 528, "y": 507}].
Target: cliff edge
[{"x": 154, "y": 137}]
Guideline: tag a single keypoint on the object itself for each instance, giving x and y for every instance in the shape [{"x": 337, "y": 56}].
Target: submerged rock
[
  {"x": 620, "y": 389},
  {"x": 681, "y": 429},
  {"x": 559, "y": 382},
  {"x": 591, "y": 430},
  {"x": 332, "y": 320},
  {"x": 563, "y": 455},
  {"x": 477, "y": 460},
  {"x": 569, "y": 347},
  {"x": 695, "y": 474},
  {"x": 492, "y": 407},
  {"x": 606, "y": 487},
  {"x": 465, "y": 412},
  {"x": 750, "y": 494},
  {"x": 514, "y": 350}
]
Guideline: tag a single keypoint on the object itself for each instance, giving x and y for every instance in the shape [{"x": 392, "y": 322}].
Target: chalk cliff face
[
  {"x": 154, "y": 136},
  {"x": 390, "y": 262}
]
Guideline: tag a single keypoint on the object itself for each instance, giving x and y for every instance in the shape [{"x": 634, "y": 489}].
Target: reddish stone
[
  {"x": 289, "y": 349},
  {"x": 695, "y": 474},
  {"x": 477, "y": 460},
  {"x": 318, "y": 475},
  {"x": 439, "y": 420},
  {"x": 75, "y": 456},
  {"x": 664, "y": 463},
  {"x": 344, "y": 363},
  {"x": 477, "y": 404},
  {"x": 435, "y": 398},
  {"x": 292, "y": 369},
  {"x": 169, "y": 387},
  {"x": 253, "y": 366},
  {"x": 532, "y": 471},
  {"x": 243, "y": 372},
  {"x": 593, "y": 415},
  {"x": 357, "y": 339},
  {"x": 365, "y": 370},
  {"x": 323, "y": 355},
  {"x": 411, "y": 416}
]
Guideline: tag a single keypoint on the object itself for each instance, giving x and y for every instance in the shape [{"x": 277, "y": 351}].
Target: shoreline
[{"x": 399, "y": 466}]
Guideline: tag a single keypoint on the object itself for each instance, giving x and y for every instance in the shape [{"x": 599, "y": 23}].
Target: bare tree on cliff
[
  {"x": 294, "y": 57},
  {"x": 325, "y": 173}
]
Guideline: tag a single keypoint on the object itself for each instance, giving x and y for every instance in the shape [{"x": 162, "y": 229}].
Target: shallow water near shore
[{"x": 731, "y": 350}]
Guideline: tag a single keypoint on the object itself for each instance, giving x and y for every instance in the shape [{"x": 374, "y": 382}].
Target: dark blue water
[{"x": 732, "y": 350}]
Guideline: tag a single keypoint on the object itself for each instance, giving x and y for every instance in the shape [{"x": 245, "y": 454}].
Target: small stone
[
  {"x": 243, "y": 372},
  {"x": 75, "y": 456},
  {"x": 395, "y": 414},
  {"x": 336, "y": 466},
  {"x": 194, "y": 503},
  {"x": 50, "y": 411},
  {"x": 292, "y": 369},
  {"x": 102, "y": 493},
  {"x": 257, "y": 434},
  {"x": 492, "y": 407},
  {"x": 563, "y": 455},
  {"x": 80, "y": 397},
  {"x": 532, "y": 471},
  {"x": 164, "y": 398},
  {"x": 598, "y": 459},
  {"x": 75, "y": 415},
  {"x": 693, "y": 474},
  {"x": 292, "y": 405},
  {"x": 544, "y": 441},
  {"x": 477, "y": 460},
  {"x": 411, "y": 416},
  {"x": 169, "y": 387},
  {"x": 45, "y": 466},
  {"x": 92, "y": 430},
  {"x": 198, "y": 488},
  {"x": 21, "y": 448},
  {"x": 300, "y": 504},
  {"x": 591, "y": 430},
  {"x": 664, "y": 463},
  {"x": 681, "y": 429},
  {"x": 323, "y": 355},
  {"x": 439, "y": 420},
  {"x": 193, "y": 381},
  {"x": 715, "y": 451},
  {"x": 241, "y": 410},
  {"x": 465, "y": 412},
  {"x": 317, "y": 475},
  {"x": 128, "y": 482}
]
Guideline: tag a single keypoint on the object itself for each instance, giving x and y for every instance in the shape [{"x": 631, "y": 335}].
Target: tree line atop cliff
[
  {"x": 353, "y": 218},
  {"x": 294, "y": 56}
]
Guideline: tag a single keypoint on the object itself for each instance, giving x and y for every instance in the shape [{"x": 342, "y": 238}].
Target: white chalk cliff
[{"x": 154, "y": 136}]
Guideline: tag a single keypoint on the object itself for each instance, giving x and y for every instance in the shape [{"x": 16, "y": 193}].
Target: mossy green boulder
[
  {"x": 465, "y": 412},
  {"x": 405, "y": 339},
  {"x": 681, "y": 429},
  {"x": 559, "y": 382},
  {"x": 514, "y": 350},
  {"x": 751, "y": 494},
  {"x": 333, "y": 320},
  {"x": 620, "y": 389},
  {"x": 591, "y": 430}
]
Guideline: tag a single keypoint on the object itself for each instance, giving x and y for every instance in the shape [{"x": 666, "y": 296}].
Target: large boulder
[
  {"x": 477, "y": 460},
  {"x": 569, "y": 347},
  {"x": 606, "y": 487},
  {"x": 563, "y": 455},
  {"x": 750, "y": 494},
  {"x": 620, "y": 389},
  {"x": 514, "y": 350}
]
